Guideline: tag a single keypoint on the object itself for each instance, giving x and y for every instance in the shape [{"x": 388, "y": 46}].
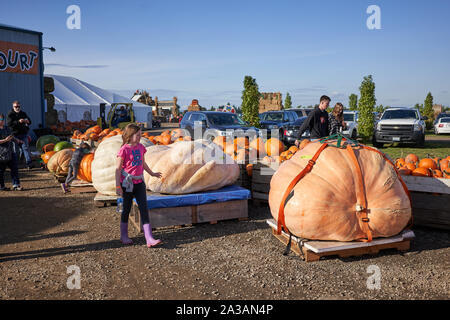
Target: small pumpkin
[
  {"x": 410, "y": 166},
  {"x": 422, "y": 172},
  {"x": 437, "y": 173},
  {"x": 293, "y": 149},
  {"x": 404, "y": 171},
  {"x": 443, "y": 164},
  {"x": 303, "y": 144},
  {"x": 249, "y": 169},
  {"x": 274, "y": 147},
  {"x": 258, "y": 145},
  {"x": 47, "y": 155},
  {"x": 399, "y": 163},
  {"x": 411, "y": 158},
  {"x": 427, "y": 163},
  {"x": 241, "y": 142}
]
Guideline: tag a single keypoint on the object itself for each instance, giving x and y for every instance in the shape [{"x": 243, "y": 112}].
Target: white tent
[{"x": 76, "y": 100}]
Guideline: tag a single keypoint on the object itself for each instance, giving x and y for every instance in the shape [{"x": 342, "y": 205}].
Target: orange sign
[{"x": 19, "y": 58}]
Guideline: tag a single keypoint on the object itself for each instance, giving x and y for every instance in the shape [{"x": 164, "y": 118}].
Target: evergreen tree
[
  {"x": 250, "y": 101},
  {"x": 288, "y": 101},
  {"x": 428, "y": 111},
  {"x": 353, "y": 102},
  {"x": 366, "y": 107}
]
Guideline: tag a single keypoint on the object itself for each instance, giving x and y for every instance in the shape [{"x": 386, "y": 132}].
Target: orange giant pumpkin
[
  {"x": 59, "y": 162},
  {"x": 328, "y": 202},
  {"x": 85, "y": 172}
]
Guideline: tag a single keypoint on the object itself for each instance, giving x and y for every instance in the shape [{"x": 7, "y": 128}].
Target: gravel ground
[{"x": 43, "y": 232}]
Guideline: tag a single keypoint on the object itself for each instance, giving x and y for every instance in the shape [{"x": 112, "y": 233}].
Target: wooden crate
[
  {"x": 313, "y": 250},
  {"x": 262, "y": 174},
  {"x": 430, "y": 199},
  {"x": 189, "y": 215}
]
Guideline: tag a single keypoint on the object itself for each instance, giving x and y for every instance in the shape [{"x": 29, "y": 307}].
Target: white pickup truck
[
  {"x": 351, "y": 121},
  {"x": 403, "y": 125}
]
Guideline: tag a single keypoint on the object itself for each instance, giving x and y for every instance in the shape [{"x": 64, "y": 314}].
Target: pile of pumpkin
[
  {"x": 69, "y": 126},
  {"x": 95, "y": 133},
  {"x": 167, "y": 137},
  {"x": 242, "y": 150},
  {"x": 426, "y": 167},
  {"x": 56, "y": 156}
]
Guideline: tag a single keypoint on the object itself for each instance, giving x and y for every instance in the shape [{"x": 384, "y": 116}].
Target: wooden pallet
[
  {"x": 313, "y": 250},
  {"x": 102, "y": 200},
  {"x": 191, "y": 215}
]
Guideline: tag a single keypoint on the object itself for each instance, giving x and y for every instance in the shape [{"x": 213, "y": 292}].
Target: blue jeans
[
  {"x": 139, "y": 192},
  {"x": 12, "y": 165},
  {"x": 24, "y": 147}
]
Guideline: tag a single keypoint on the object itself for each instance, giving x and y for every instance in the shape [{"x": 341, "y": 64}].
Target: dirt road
[{"x": 43, "y": 233}]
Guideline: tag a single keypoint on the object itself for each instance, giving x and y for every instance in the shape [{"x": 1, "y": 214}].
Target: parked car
[
  {"x": 442, "y": 125},
  {"x": 302, "y": 112},
  {"x": 404, "y": 125},
  {"x": 277, "y": 120},
  {"x": 351, "y": 120},
  {"x": 441, "y": 115},
  {"x": 291, "y": 132},
  {"x": 215, "y": 123}
]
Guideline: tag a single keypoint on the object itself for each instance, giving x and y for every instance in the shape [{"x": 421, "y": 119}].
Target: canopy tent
[{"x": 77, "y": 100}]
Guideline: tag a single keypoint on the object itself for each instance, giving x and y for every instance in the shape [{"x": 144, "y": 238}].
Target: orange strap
[
  {"x": 361, "y": 206},
  {"x": 307, "y": 169}
]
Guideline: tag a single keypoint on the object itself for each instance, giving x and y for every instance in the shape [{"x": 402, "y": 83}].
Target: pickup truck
[{"x": 403, "y": 125}]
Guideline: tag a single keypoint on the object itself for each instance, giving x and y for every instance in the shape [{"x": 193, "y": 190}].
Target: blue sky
[{"x": 203, "y": 49}]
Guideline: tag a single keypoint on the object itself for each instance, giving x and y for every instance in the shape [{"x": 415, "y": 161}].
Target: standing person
[
  {"x": 316, "y": 122},
  {"x": 336, "y": 121},
  {"x": 8, "y": 156},
  {"x": 19, "y": 123},
  {"x": 129, "y": 182},
  {"x": 74, "y": 165}
]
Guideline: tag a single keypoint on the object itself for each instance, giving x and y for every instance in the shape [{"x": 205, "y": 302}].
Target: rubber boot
[
  {"x": 149, "y": 237},
  {"x": 124, "y": 233}
]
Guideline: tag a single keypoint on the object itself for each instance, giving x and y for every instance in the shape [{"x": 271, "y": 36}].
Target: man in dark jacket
[
  {"x": 316, "y": 122},
  {"x": 19, "y": 123}
]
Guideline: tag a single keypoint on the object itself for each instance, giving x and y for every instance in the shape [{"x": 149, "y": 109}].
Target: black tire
[
  {"x": 354, "y": 135},
  {"x": 377, "y": 145},
  {"x": 421, "y": 142}
]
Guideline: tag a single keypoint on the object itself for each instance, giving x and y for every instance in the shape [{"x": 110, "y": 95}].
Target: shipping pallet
[
  {"x": 313, "y": 250},
  {"x": 175, "y": 217},
  {"x": 102, "y": 200},
  {"x": 79, "y": 186}
]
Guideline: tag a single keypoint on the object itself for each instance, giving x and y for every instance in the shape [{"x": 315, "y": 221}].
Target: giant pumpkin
[
  {"x": 330, "y": 202},
  {"x": 189, "y": 167},
  {"x": 84, "y": 171},
  {"x": 59, "y": 162},
  {"x": 103, "y": 167}
]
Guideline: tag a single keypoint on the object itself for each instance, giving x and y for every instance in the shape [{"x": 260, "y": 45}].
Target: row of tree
[{"x": 365, "y": 105}]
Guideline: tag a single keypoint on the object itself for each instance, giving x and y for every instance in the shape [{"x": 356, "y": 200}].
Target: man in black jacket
[
  {"x": 19, "y": 123},
  {"x": 317, "y": 121}
]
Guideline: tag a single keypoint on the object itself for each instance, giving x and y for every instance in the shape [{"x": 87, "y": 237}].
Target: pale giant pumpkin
[
  {"x": 189, "y": 166},
  {"x": 324, "y": 202},
  {"x": 59, "y": 162},
  {"x": 103, "y": 166}
]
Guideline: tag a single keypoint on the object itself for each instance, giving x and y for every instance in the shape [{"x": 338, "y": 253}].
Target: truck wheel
[
  {"x": 376, "y": 144},
  {"x": 421, "y": 142},
  {"x": 354, "y": 135}
]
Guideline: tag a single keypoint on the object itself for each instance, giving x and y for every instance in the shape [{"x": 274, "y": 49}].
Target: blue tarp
[{"x": 168, "y": 201}]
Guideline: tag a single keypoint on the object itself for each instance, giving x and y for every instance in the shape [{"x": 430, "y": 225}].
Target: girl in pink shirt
[{"x": 130, "y": 182}]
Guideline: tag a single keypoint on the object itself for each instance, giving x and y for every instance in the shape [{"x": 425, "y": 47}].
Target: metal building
[{"x": 22, "y": 72}]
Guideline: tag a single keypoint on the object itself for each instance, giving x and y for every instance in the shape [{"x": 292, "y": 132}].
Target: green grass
[{"x": 431, "y": 148}]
